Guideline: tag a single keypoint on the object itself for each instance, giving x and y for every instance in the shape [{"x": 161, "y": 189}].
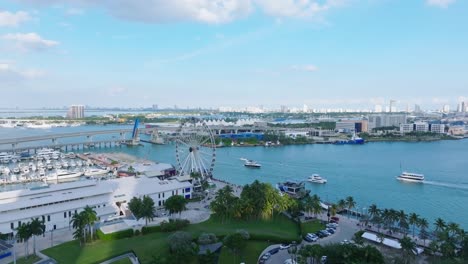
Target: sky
[{"x": 236, "y": 53}]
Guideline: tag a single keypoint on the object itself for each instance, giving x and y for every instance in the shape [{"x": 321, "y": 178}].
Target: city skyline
[{"x": 324, "y": 54}]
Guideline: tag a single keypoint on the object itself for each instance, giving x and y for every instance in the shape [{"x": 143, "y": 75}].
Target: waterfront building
[
  {"x": 437, "y": 128},
  {"x": 406, "y": 128},
  {"x": 352, "y": 126},
  {"x": 421, "y": 127},
  {"x": 386, "y": 120},
  {"x": 456, "y": 130},
  {"x": 56, "y": 204},
  {"x": 76, "y": 112}
]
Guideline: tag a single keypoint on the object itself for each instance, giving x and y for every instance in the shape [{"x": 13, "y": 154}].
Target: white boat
[
  {"x": 55, "y": 156},
  {"x": 72, "y": 164},
  {"x": 315, "y": 178},
  {"x": 16, "y": 170},
  {"x": 410, "y": 177},
  {"x": 41, "y": 173},
  {"x": 25, "y": 170},
  {"x": 63, "y": 174},
  {"x": 79, "y": 163},
  {"x": 50, "y": 166},
  {"x": 92, "y": 172},
  {"x": 252, "y": 164}
]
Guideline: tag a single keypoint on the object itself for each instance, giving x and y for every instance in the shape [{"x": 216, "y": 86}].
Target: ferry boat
[
  {"x": 63, "y": 174},
  {"x": 315, "y": 178},
  {"x": 355, "y": 140},
  {"x": 410, "y": 177},
  {"x": 252, "y": 164}
]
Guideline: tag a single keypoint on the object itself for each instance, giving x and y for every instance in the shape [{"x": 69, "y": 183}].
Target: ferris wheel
[{"x": 195, "y": 148}]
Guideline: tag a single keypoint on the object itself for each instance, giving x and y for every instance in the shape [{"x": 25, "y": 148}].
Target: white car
[
  {"x": 289, "y": 261},
  {"x": 285, "y": 246}
]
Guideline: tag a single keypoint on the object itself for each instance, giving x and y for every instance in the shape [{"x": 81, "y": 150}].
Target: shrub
[
  {"x": 115, "y": 236},
  {"x": 137, "y": 232},
  {"x": 150, "y": 229},
  {"x": 207, "y": 238},
  {"x": 174, "y": 225}
]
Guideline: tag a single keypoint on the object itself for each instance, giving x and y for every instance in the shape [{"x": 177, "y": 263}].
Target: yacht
[
  {"x": 91, "y": 172},
  {"x": 252, "y": 164},
  {"x": 50, "y": 166},
  {"x": 410, "y": 177},
  {"x": 16, "y": 170},
  {"x": 41, "y": 172},
  {"x": 63, "y": 174},
  {"x": 315, "y": 178}
]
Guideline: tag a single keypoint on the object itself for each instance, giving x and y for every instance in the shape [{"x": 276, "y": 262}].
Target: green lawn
[
  {"x": 311, "y": 227},
  {"x": 29, "y": 260},
  {"x": 279, "y": 228},
  {"x": 123, "y": 261},
  {"x": 143, "y": 246},
  {"x": 250, "y": 256}
]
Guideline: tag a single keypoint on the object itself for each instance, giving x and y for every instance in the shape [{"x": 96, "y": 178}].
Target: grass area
[
  {"x": 250, "y": 256},
  {"x": 311, "y": 227},
  {"x": 123, "y": 261},
  {"x": 27, "y": 260},
  {"x": 143, "y": 246},
  {"x": 279, "y": 228}
]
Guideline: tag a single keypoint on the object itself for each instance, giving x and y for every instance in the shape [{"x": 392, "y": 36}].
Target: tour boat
[
  {"x": 63, "y": 174},
  {"x": 252, "y": 164},
  {"x": 410, "y": 177},
  {"x": 92, "y": 172}
]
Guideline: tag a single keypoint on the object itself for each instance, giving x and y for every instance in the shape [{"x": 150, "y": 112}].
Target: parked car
[
  {"x": 285, "y": 246},
  {"x": 274, "y": 250},
  {"x": 320, "y": 235},
  {"x": 266, "y": 256},
  {"x": 323, "y": 259},
  {"x": 311, "y": 237},
  {"x": 309, "y": 217},
  {"x": 331, "y": 230},
  {"x": 335, "y": 218},
  {"x": 325, "y": 232}
]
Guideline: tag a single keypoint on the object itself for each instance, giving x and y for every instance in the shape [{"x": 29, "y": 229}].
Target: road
[{"x": 346, "y": 230}]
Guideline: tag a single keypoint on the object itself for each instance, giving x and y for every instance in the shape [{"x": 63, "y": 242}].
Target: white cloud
[
  {"x": 13, "y": 19},
  {"x": 307, "y": 68},
  {"x": 205, "y": 11},
  {"x": 74, "y": 12},
  {"x": 8, "y": 73},
  {"x": 29, "y": 41},
  {"x": 440, "y": 3}
]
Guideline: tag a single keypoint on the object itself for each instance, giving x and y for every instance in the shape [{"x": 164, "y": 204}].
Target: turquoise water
[{"x": 365, "y": 172}]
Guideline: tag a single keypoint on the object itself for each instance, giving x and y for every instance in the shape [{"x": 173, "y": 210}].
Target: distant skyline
[{"x": 233, "y": 53}]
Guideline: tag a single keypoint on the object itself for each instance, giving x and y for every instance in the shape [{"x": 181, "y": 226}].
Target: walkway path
[{"x": 133, "y": 258}]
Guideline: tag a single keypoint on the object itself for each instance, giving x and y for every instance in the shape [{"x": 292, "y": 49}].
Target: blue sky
[{"x": 328, "y": 53}]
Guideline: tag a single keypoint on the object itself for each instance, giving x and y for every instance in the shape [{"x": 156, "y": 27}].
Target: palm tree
[
  {"x": 333, "y": 209},
  {"x": 373, "y": 210},
  {"x": 380, "y": 237},
  {"x": 350, "y": 203},
  {"x": 439, "y": 224},
  {"x": 453, "y": 228},
  {"x": 403, "y": 221},
  {"x": 308, "y": 204},
  {"x": 37, "y": 228},
  {"x": 90, "y": 217},
  {"x": 148, "y": 208},
  {"x": 408, "y": 246},
  {"x": 78, "y": 222},
  {"x": 423, "y": 224},
  {"x": 414, "y": 220},
  {"x": 386, "y": 218},
  {"x": 316, "y": 207},
  {"x": 341, "y": 204},
  {"x": 24, "y": 234}
]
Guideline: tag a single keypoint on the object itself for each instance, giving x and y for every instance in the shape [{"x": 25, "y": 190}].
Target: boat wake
[
  {"x": 243, "y": 159},
  {"x": 448, "y": 185}
]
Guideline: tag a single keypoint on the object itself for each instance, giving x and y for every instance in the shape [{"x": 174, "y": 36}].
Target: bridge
[{"x": 14, "y": 144}]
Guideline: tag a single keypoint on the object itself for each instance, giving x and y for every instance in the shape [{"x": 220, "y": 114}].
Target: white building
[
  {"x": 386, "y": 120},
  {"x": 344, "y": 126},
  {"x": 56, "y": 204},
  {"x": 437, "y": 128},
  {"x": 406, "y": 128},
  {"x": 76, "y": 112},
  {"x": 421, "y": 127}
]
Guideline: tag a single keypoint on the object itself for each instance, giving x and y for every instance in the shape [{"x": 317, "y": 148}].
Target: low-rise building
[
  {"x": 56, "y": 204},
  {"x": 437, "y": 128},
  {"x": 421, "y": 127}
]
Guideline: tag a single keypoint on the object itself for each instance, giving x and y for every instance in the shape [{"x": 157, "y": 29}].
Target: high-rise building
[
  {"x": 155, "y": 107},
  {"x": 446, "y": 109},
  {"x": 76, "y": 112},
  {"x": 386, "y": 120},
  {"x": 391, "y": 106},
  {"x": 463, "y": 107},
  {"x": 417, "y": 108}
]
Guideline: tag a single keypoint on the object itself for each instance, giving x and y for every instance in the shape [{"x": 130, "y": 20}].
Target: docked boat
[
  {"x": 315, "y": 178},
  {"x": 355, "y": 140},
  {"x": 252, "y": 164},
  {"x": 410, "y": 177},
  {"x": 63, "y": 174},
  {"x": 16, "y": 170},
  {"x": 294, "y": 189},
  {"x": 92, "y": 172}
]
